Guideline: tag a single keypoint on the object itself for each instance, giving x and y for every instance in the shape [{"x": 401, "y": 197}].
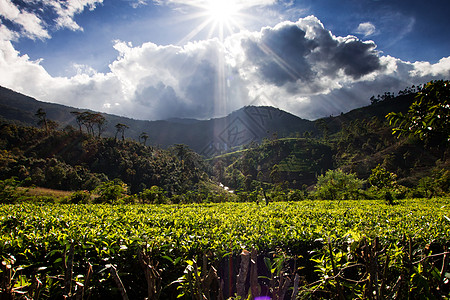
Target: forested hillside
[
  {"x": 359, "y": 143},
  {"x": 287, "y": 236},
  {"x": 72, "y": 161},
  {"x": 206, "y": 137}
]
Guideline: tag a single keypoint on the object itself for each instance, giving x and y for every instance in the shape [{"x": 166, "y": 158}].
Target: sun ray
[
  {"x": 280, "y": 62},
  {"x": 194, "y": 32},
  {"x": 220, "y": 18}
]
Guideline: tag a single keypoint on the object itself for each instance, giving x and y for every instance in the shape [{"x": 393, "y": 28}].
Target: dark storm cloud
[
  {"x": 160, "y": 92},
  {"x": 304, "y": 52},
  {"x": 300, "y": 67},
  {"x": 356, "y": 58},
  {"x": 280, "y": 54}
]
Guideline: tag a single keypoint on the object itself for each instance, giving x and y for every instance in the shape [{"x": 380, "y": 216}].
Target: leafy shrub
[
  {"x": 111, "y": 191},
  {"x": 382, "y": 178},
  {"x": 428, "y": 116},
  {"x": 9, "y": 191},
  {"x": 193, "y": 197},
  {"x": 41, "y": 199},
  {"x": 438, "y": 184},
  {"x": 278, "y": 193},
  {"x": 384, "y": 186},
  {"x": 338, "y": 185},
  {"x": 248, "y": 196},
  {"x": 297, "y": 195},
  {"x": 80, "y": 197},
  {"x": 153, "y": 195}
]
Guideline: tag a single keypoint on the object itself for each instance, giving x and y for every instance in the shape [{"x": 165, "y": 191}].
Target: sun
[
  {"x": 219, "y": 18},
  {"x": 221, "y": 11}
]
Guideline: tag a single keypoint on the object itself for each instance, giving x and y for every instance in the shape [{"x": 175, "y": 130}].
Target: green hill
[
  {"x": 250, "y": 148},
  {"x": 68, "y": 160},
  {"x": 207, "y": 137},
  {"x": 355, "y": 142}
]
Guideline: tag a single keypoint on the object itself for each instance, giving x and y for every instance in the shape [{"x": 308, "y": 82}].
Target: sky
[{"x": 160, "y": 59}]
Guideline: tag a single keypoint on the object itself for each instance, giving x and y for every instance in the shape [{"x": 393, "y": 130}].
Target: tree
[
  {"x": 323, "y": 128},
  {"x": 100, "y": 121},
  {"x": 42, "y": 115},
  {"x": 90, "y": 121},
  {"x": 374, "y": 100},
  {"x": 47, "y": 124},
  {"x": 275, "y": 173},
  {"x": 9, "y": 191},
  {"x": 111, "y": 191},
  {"x": 186, "y": 156},
  {"x": 154, "y": 195},
  {"x": 219, "y": 170},
  {"x": 337, "y": 185},
  {"x": 382, "y": 178},
  {"x": 428, "y": 116},
  {"x": 52, "y": 125},
  {"x": 120, "y": 128},
  {"x": 87, "y": 121},
  {"x": 78, "y": 119},
  {"x": 143, "y": 137}
]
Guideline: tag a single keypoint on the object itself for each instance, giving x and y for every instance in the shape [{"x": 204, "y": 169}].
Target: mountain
[
  {"x": 292, "y": 152},
  {"x": 377, "y": 110},
  {"x": 207, "y": 137}
]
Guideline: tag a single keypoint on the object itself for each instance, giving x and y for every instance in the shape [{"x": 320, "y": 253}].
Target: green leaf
[{"x": 169, "y": 259}]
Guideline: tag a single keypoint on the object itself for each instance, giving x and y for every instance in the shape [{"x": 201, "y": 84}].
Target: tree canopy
[{"x": 428, "y": 116}]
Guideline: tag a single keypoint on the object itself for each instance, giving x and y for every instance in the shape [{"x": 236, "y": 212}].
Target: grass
[{"x": 40, "y": 191}]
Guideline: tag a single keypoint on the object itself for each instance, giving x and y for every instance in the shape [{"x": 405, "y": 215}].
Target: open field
[
  {"x": 59, "y": 244},
  {"x": 40, "y": 191}
]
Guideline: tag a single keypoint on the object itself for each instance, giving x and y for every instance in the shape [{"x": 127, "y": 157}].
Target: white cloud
[
  {"x": 240, "y": 3},
  {"x": 30, "y": 15},
  {"x": 298, "y": 66},
  {"x": 137, "y": 3},
  {"x": 32, "y": 25},
  {"x": 6, "y": 34},
  {"x": 424, "y": 68},
  {"x": 66, "y": 10},
  {"x": 366, "y": 29}
]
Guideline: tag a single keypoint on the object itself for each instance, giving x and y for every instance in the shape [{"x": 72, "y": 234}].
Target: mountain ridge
[{"x": 206, "y": 137}]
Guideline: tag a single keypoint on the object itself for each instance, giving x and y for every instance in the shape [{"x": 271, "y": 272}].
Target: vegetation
[
  {"x": 329, "y": 213},
  {"x": 358, "y": 143},
  {"x": 57, "y": 250},
  {"x": 318, "y": 165},
  {"x": 71, "y": 160},
  {"x": 90, "y": 121},
  {"x": 428, "y": 116},
  {"x": 337, "y": 185}
]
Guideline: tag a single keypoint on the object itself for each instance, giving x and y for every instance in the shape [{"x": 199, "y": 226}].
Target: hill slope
[
  {"x": 292, "y": 150},
  {"x": 207, "y": 137}
]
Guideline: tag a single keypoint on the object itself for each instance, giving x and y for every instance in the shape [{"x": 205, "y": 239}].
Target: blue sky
[{"x": 205, "y": 58}]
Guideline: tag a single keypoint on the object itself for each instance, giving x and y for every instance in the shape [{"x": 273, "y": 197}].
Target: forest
[
  {"x": 356, "y": 207},
  {"x": 368, "y": 157}
]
